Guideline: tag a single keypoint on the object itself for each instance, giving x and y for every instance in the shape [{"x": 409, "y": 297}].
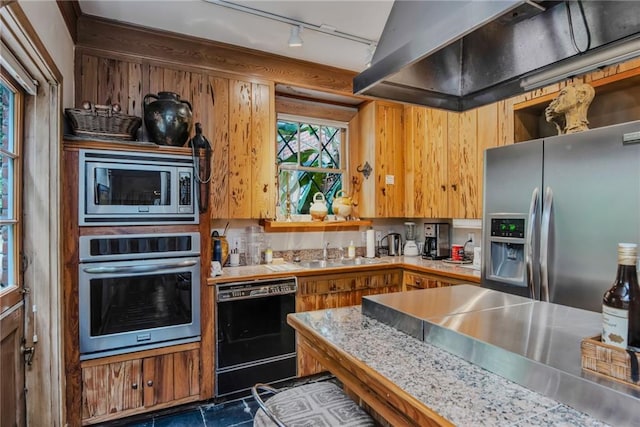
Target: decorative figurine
[{"x": 568, "y": 110}]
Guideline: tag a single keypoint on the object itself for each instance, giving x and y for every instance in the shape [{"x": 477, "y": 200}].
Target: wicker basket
[
  {"x": 608, "y": 360},
  {"x": 103, "y": 121}
]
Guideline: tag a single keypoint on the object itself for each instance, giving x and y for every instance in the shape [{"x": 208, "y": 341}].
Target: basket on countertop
[
  {"x": 609, "y": 361},
  {"x": 103, "y": 121}
]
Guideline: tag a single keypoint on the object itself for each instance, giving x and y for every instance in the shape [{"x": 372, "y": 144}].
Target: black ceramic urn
[{"x": 168, "y": 119}]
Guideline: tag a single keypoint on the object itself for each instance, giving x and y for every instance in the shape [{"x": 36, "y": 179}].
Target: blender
[{"x": 410, "y": 246}]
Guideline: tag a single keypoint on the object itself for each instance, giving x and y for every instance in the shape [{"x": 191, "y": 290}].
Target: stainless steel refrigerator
[{"x": 555, "y": 210}]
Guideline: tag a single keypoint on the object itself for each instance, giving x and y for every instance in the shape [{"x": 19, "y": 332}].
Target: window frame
[
  {"x": 291, "y": 167},
  {"x": 13, "y": 293}
]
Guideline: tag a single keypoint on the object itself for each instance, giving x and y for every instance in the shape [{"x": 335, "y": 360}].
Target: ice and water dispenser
[{"x": 506, "y": 250}]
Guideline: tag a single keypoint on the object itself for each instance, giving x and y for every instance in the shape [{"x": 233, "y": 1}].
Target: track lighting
[{"x": 294, "y": 38}]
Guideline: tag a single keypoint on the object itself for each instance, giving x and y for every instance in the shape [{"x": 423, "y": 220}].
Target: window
[
  {"x": 10, "y": 131},
  {"x": 310, "y": 157}
]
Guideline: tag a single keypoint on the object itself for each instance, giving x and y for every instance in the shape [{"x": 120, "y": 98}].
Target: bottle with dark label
[
  {"x": 615, "y": 303},
  {"x": 634, "y": 309}
]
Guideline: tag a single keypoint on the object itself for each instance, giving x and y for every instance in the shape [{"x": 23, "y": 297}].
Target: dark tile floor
[
  {"x": 237, "y": 413},
  {"x": 233, "y": 413}
]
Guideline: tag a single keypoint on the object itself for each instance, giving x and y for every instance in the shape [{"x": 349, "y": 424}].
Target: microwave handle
[{"x": 139, "y": 268}]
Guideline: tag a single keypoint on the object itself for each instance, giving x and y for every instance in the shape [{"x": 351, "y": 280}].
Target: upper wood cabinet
[
  {"x": 426, "y": 179},
  {"x": 237, "y": 116},
  {"x": 243, "y": 184},
  {"x": 445, "y": 156},
  {"x": 377, "y": 139}
]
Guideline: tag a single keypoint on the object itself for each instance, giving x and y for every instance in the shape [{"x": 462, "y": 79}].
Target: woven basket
[
  {"x": 607, "y": 360},
  {"x": 103, "y": 121}
]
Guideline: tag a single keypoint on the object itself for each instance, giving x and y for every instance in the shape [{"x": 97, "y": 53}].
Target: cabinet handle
[
  {"x": 134, "y": 386},
  {"x": 444, "y": 187},
  {"x": 150, "y": 383},
  {"x": 455, "y": 187},
  {"x": 418, "y": 282}
]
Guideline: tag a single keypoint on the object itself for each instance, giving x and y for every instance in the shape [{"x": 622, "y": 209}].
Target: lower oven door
[{"x": 128, "y": 306}]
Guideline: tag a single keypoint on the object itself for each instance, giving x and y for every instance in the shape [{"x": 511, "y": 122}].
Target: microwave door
[{"x": 132, "y": 189}]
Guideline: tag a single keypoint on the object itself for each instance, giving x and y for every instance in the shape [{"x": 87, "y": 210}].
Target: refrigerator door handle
[
  {"x": 533, "y": 212},
  {"x": 544, "y": 244}
]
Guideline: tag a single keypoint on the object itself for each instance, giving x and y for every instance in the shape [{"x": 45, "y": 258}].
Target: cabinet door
[
  {"x": 389, "y": 156},
  {"x": 251, "y": 150},
  {"x": 379, "y": 141},
  {"x": 426, "y": 178},
  {"x": 111, "y": 388},
  {"x": 462, "y": 165},
  {"x": 170, "y": 377},
  {"x": 413, "y": 281}
]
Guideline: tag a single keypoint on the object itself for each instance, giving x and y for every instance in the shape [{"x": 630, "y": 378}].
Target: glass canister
[{"x": 254, "y": 236}]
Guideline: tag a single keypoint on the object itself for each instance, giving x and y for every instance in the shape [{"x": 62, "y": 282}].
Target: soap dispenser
[{"x": 351, "y": 250}]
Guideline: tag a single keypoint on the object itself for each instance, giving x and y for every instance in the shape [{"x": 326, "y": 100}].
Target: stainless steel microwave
[{"x": 127, "y": 188}]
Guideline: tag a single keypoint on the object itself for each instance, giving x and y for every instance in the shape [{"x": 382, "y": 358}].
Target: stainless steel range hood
[{"x": 458, "y": 55}]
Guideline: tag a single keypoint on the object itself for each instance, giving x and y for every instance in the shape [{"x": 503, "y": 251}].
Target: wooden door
[
  {"x": 426, "y": 163},
  {"x": 389, "y": 159},
  {"x": 462, "y": 165},
  {"x": 12, "y": 397},
  {"x": 170, "y": 377},
  {"x": 111, "y": 388}
]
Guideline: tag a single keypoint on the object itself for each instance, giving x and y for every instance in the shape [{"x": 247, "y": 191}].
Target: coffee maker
[{"x": 436, "y": 241}]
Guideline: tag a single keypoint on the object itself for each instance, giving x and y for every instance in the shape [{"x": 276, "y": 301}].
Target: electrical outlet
[
  {"x": 378, "y": 235},
  {"x": 471, "y": 237}
]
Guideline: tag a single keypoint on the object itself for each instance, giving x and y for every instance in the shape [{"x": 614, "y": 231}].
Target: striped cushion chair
[{"x": 321, "y": 404}]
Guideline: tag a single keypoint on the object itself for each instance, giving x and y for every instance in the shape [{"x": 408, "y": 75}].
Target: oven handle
[{"x": 139, "y": 268}]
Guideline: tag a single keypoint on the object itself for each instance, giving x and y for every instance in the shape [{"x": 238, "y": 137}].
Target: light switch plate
[{"x": 390, "y": 179}]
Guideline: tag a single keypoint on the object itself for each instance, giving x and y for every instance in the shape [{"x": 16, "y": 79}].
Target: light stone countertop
[
  {"x": 463, "y": 393},
  {"x": 417, "y": 264}
]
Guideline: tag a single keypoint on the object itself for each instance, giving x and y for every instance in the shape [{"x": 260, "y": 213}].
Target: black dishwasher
[{"x": 254, "y": 342}]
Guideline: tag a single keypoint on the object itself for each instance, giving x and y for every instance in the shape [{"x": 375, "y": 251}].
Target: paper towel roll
[{"x": 371, "y": 243}]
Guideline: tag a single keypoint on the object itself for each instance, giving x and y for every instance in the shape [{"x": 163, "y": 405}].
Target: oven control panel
[{"x": 256, "y": 289}]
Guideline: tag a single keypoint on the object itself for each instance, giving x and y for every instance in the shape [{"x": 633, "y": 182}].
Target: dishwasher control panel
[{"x": 255, "y": 289}]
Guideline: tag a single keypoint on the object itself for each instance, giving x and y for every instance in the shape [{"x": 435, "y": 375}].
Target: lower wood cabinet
[
  {"x": 339, "y": 290},
  {"x": 119, "y": 386},
  {"x": 414, "y": 280}
]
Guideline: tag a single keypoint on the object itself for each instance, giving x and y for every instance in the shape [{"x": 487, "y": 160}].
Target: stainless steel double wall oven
[{"x": 137, "y": 290}]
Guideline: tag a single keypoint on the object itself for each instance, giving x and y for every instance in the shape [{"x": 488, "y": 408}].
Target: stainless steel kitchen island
[{"x": 411, "y": 382}]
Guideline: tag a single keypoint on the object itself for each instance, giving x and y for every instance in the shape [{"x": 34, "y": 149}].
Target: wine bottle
[
  {"x": 615, "y": 302},
  {"x": 634, "y": 308}
]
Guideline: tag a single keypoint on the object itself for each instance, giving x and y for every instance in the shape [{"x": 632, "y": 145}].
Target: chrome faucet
[{"x": 325, "y": 251}]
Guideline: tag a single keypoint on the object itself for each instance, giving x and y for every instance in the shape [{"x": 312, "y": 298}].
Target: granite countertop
[
  {"x": 417, "y": 264},
  {"x": 461, "y": 392}
]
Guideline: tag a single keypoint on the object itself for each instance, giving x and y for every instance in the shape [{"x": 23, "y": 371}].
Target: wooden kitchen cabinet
[
  {"x": 377, "y": 139},
  {"x": 445, "y": 157},
  {"x": 251, "y": 160},
  {"x": 237, "y": 116},
  {"x": 413, "y": 280},
  {"x": 426, "y": 180},
  {"x": 120, "y": 386},
  {"x": 339, "y": 290}
]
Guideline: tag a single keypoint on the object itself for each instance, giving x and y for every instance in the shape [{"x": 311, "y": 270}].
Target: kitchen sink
[{"x": 333, "y": 263}]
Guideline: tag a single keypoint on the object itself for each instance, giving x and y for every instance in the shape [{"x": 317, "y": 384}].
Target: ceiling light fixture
[{"x": 294, "y": 38}]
